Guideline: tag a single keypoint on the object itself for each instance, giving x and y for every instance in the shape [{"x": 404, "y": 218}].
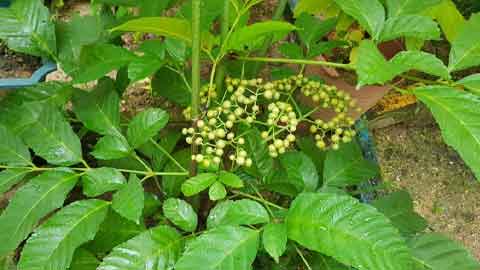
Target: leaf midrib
[{"x": 66, "y": 179}]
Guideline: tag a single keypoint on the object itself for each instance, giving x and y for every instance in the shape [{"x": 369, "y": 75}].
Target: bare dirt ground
[{"x": 413, "y": 156}]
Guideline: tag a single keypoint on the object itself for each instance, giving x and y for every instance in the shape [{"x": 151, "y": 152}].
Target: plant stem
[
  {"x": 413, "y": 78},
  {"x": 303, "y": 258},
  {"x": 297, "y": 61},
  {"x": 258, "y": 199},
  {"x": 142, "y": 162},
  {"x": 225, "y": 25},
  {"x": 166, "y": 153},
  {"x": 196, "y": 48}
]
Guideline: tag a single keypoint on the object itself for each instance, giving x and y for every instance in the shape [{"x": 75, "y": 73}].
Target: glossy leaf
[
  {"x": 97, "y": 181},
  {"x": 222, "y": 248},
  {"x": 248, "y": 35},
  {"x": 413, "y": 26},
  {"x": 53, "y": 244},
  {"x": 99, "y": 59},
  {"x": 421, "y": 61},
  {"x": 437, "y": 252},
  {"x": 26, "y": 27},
  {"x": 198, "y": 183},
  {"x": 99, "y": 110},
  {"x": 472, "y": 83},
  {"x": 347, "y": 167},
  {"x": 404, "y": 7},
  {"x": 84, "y": 260},
  {"x": 19, "y": 117},
  {"x": 398, "y": 207},
  {"x": 300, "y": 168},
  {"x": 158, "y": 248},
  {"x": 169, "y": 84},
  {"x": 230, "y": 179},
  {"x": 274, "y": 239},
  {"x": 128, "y": 201},
  {"x": 143, "y": 67},
  {"x": 10, "y": 177},
  {"x": 180, "y": 213},
  {"x": 465, "y": 50},
  {"x": 33, "y": 201},
  {"x": 217, "y": 191},
  {"x": 241, "y": 212},
  {"x": 114, "y": 230},
  {"x": 146, "y": 125},
  {"x": 55, "y": 93},
  {"x": 369, "y": 13},
  {"x": 111, "y": 147},
  {"x": 355, "y": 234},
  {"x": 52, "y": 138},
  {"x": 13, "y": 151},
  {"x": 457, "y": 114}
]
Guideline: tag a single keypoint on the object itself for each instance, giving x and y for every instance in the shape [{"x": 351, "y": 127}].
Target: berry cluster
[{"x": 270, "y": 107}]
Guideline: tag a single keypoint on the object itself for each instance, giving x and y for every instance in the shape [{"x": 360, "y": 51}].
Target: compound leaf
[
  {"x": 457, "y": 114},
  {"x": 32, "y": 202},
  {"x": 369, "y": 13},
  {"x": 53, "y": 244},
  {"x": 10, "y": 177},
  {"x": 413, "y": 26},
  {"x": 13, "y": 151},
  {"x": 222, "y": 248},
  {"x": 129, "y": 200},
  {"x": 241, "y": 212},
  {"x": 198, "y": 183},
  {"x": 97, "y": 181},
  {"x": 146, "y": 125},
  {"x": 180, "y": 213},
  {"x": 355, "y": 234},
  {"x": 158, "y": 248}
]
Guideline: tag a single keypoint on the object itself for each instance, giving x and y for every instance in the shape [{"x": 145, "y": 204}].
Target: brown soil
[
  {"x": 16, "y": 65},
  {"x": 413, "y": 156}
]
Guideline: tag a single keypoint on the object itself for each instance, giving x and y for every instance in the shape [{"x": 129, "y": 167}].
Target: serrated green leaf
[
  {"x": 291, "y": 50},
  {"x": 128, "y": 201},
  {"x": 241, "y": 212},
  {"x": 158, "y": 248},
  {"x": 437, "y": 252},
  {"x": 52, "y": 138},
  {"x": 26, "y": 27},
  {"x": 404, "y": 7},
  {"x": 114, "y": 230},
  {"x": 398, "y": 207},
  {"x": 99, "y": 110},
  {"x": 472, "y": 83},
  {"x": 373, "y": 68},
  {"x": 180, "y": 213},
  {"x": 465, "y": 50},
  {"x": 257, "y": 150},
  {"x": 325, "y": 8},
  {"x": 355, "y": 234},
  {"x": 13, "y": 151},
  {"x": 99, "y": 59},
  {"x": 10, "y": 177},
  {"x": 198, "y": 183},
  {"x": 230, "y": 179},
  {"x": 421, "y": 61},
  {"x": 55, "y": 93},
  {"x": 448, "y": 16},
  {"x": 457, "y": 114},
  {"x": 19, "y": 117},
  {"x": 217, "y": 191},
  {"x": 97, "y": 181},
  {"x": 347, "y": 167},
  {"x": 33, "y": 201},
  {"x": 369, "y": 13},
  {"x": 143, "y": 66},
  {"x": 311, "y": 29},
  {"x": 84, "y": 260},
  {"x": 412, "y": 26},
  {"x": 169, "y": 84},
  {"x": 274, "y": 239},
  {"x": 53, "y": 244},
  {"x": 172, "y": 184},
  {"x": 222, "y": 248},
  {"x": 252, "y": 34},
  {"x": 146, "y": 125},
  {"x": 111, "y": 147}
]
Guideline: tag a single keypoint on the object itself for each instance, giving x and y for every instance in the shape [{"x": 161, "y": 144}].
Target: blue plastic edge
[{"x": 38, "y": 76}]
